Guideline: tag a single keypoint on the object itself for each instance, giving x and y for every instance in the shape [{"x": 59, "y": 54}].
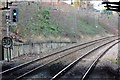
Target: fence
[{"x": 33, "y": 48}]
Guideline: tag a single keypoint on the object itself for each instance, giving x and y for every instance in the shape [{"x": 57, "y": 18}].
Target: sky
[{"x": 98, "y": 4}]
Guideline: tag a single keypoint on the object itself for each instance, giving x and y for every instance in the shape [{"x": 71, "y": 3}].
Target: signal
[
  {"x": 7, "y": 17},
  {"x": 15, "y": 15}
]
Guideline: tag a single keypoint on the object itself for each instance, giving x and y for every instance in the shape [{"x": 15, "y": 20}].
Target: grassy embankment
[{"x": 42, "y": 24}]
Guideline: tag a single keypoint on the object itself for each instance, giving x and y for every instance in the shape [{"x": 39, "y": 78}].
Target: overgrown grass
[
  {"x": 88, "y": 29},
  {"x": 42, "y": 24}
]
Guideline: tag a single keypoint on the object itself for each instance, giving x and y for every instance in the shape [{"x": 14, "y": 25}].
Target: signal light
[
  {"x": 7, "y": 17},
  {"x": 15, "y": 15}
]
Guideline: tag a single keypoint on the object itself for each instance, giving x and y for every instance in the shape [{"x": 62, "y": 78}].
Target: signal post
[{"x": 10, "y": 19}]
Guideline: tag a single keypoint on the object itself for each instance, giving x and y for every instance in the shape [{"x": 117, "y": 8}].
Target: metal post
[
  {"x": 32, "y": 45},
  {"x": 7, "y": 54},
  {"x": 1, "y": 53},
  {"x": 7, "y": 18},
  {"x": 7, "y": 30},
  {"x": 40, "y": 47},
  {"x": 18, "y": 51},
  {"x": 7, "y": 26},
  {"x": 23, "y": 49},
  {"x": 10, "y": 53}
]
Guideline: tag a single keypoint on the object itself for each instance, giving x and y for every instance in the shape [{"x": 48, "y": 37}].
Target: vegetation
[
  {"x": 36, "y": 20},
  {"x": 41, "y": 23},
  {"x": 107, "y": 12},
  {"x": 89, "y": 29}
]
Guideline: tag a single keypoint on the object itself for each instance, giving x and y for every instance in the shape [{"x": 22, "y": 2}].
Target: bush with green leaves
[{"x": 41, "y": 23}]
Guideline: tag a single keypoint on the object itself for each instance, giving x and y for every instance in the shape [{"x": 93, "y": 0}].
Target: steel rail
[
  {"x": 21, "y": 76},
  {"x": 32, "y": 61},
  {"x": 92, "y": 66},
  {"x": 65, "y": 69}
]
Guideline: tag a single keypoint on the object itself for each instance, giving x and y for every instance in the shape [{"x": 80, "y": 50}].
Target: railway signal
[
  {"x": 10, "y": 17},
  {"x": 14, "y": 15},
  {"x": 7, "y": 18}
]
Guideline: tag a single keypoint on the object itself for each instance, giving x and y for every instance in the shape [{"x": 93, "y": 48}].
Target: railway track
[
  {"x": 70, "y": 69},
  {"x": 27, "y": 63},
  {"x": 43, "y": 63}
]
